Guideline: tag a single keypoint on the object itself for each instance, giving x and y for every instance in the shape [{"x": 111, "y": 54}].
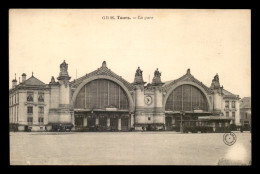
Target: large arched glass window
[
  {"x": 100, "y": 94},
  {"x": 186, "y": 98}
]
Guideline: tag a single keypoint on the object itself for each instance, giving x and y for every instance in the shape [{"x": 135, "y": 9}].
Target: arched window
[
  {"x": 41, "y": 97},
  {"x": 30, "y": 96},
  {"x": 186, "y": 98},
  {"x": 100, "y": 94}
]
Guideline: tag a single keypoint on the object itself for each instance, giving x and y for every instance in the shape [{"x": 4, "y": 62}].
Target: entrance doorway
[
  {"x": 168, "y": 123},
  {"x": 114, "y": 124},
  {"x": 124, "y": 124},
  {"x": 101, "y": 121},
  {"x": 91, "y": 121}
]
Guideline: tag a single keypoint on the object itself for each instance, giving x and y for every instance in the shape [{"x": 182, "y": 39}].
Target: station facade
[{"x": 105, "y": 100}]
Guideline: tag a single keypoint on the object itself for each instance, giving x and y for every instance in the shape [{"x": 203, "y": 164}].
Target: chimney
[
  {"x": 14, "y": 82},
  {"x": 23, "y": 77}
]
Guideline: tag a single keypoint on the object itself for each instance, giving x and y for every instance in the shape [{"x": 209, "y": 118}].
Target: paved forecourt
[{"x": 126, "y": 148}]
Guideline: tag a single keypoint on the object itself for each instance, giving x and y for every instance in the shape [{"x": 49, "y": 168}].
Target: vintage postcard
[{"x": 130, "y": 87}]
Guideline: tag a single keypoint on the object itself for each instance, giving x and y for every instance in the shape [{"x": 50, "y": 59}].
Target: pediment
[
  {"x": 104, "y": 71},
  {"x": 186, "y": 78}
]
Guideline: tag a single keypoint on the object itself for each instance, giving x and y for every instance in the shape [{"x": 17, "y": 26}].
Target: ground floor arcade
[
  {"x": 124, "y": 121},
  {"x": 102, "y": 121},
  {"x": 196, "y": 122}
]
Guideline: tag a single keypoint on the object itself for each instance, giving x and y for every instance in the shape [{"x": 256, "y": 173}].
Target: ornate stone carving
[
  {"x": 188, "y": 79},
  {"x": 196, "y": 108},
  {"x": 52, "y": 80},
  {"x": 141, "y": 87},
  {"x": 159, "y": 88},
  {"x": 164, "y": 93},
  {"x": 188, "y": 71},
  {"x": 149, "y": 88},
  {"x": 66, "y": 84},
  {"x": 104, "y": 64},
  {"x": 216, "y": 78}
]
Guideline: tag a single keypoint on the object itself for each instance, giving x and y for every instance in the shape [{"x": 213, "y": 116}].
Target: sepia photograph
[{"x": 130, "y": 87}]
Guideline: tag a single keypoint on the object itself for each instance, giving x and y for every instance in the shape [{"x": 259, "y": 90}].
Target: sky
[{"x": 173, "y": 40}]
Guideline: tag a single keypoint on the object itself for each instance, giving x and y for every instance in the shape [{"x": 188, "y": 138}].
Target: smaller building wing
[
  {"x": 33, "y": 81},
  {"x": 245, "y": 102},
  {"x": 228, "y": 94}
]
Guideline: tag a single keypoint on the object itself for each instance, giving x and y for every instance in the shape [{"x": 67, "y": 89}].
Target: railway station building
[{"x": 104, "y": 99}]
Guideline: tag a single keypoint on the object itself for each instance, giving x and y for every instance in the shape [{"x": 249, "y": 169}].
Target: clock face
[{"x": 148, "y": 100}]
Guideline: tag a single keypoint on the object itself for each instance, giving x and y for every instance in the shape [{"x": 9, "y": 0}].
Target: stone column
[
  {"x": 173, "y": 120},
  {"x": 129, "y": 123},
  {"x": 237, "y": 113},
  {"x": 108, "y": 121},
  {"x": 119, "y": 124},
  {"x": 73, "y": 120},
  {"x": 35, "y": 115},
  {"x": 132, "y": 120},
  {"x": 214, "y": 126},
  {"x": 159, "y": 116},
  {"x": 85, "y": 121},
  {"x": 64, "y": 93},
  {"x": 217, "y": 101},
  {"x": 64, "y": 116},
  {"x": 97, "y": 121},
  {"x": 139, "y": 104}
]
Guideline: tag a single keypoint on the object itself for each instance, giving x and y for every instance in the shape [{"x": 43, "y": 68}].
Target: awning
[
  {"x": 216, "y": 118},
  {"x": 99, "y": 110},
  {"x": 188, "y": 112}
]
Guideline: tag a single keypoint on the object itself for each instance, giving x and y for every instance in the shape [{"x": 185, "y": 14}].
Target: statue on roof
[
  {"x": 216, "y": 78},
  {"x": 52, "y": 80},
  {"x": 215, "y": 82},
  {"x": 139, "y": 72},
  {"x": 63, "y": 71},
  {"x": 139, "y": 76},
  {"x": 14, "y": 80},
  {"x": 64, "y": 68},
  {"x": 157, "y": 77},
  {"x": 157, "y": 73}
]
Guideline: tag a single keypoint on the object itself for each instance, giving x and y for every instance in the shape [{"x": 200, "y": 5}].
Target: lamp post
[{"x": 181, "y": 127}]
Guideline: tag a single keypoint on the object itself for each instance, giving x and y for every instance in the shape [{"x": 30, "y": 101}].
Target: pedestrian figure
[{"x": 241, "y": 129}]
